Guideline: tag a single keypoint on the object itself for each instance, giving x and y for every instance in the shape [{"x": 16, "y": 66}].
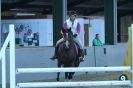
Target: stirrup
[
  {"x": 53, "y": 58},
  {"x": 81, "y": 59}
]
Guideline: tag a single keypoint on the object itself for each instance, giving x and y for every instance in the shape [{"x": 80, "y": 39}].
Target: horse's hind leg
[
  {"x": 58, "y": 73},
  {"x": 66, "y": 75}
]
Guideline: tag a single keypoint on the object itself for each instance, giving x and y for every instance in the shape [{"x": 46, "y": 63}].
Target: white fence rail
[
  {"x": 3, "y": 60},
  {"x": 9, "y": 39},
  {"x": 12, "y": 57},
  {"x": 73, "y": 69},
  {"x": 74, "y": 84},
  {"x": 132, "y": 52}
]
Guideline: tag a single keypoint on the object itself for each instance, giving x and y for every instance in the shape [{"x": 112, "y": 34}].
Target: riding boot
[
  {"x": 81, "y": 58},
  {"x": 55, "y": 54}
]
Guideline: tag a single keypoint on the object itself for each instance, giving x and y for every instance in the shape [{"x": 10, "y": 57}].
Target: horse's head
[{"x": 68, "y": 36}]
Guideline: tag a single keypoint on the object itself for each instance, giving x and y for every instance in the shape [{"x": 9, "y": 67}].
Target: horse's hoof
[
  {"x": 57, "y": 79},
  {"x": 86, "y": 73}
]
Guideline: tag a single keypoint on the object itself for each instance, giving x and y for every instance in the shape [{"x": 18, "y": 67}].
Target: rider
[{"x": 74, "y": 24}]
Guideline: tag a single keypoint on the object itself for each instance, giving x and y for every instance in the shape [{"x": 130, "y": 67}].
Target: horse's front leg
[
  {"x": 66, "y": 75},
  {"x": 58, "y": 73},
  {"x": 71, "y": 74}
]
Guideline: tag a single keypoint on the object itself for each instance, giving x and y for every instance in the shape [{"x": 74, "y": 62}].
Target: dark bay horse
[{"x": 68, "y": 54}]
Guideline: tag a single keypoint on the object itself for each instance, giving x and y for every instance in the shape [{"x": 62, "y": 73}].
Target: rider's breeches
[
  {"x": 77, "y": 40},
  {"x": 59, "y": 41}
]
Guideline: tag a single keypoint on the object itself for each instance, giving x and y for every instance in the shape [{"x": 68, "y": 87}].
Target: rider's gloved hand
[{"x": 75, "y": 35}]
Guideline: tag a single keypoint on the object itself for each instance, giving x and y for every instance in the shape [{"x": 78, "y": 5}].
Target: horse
[{"x": 67, "y": 54}]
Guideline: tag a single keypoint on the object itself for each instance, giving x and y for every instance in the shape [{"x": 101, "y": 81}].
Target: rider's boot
[{"x": 55, "y": 54}]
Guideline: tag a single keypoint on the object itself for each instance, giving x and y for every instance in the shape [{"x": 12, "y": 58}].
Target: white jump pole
[
  {"x": 73, "y": 69},
  {"x": 3, "y": 69},
  {"x": 12, "y": 57},
  {"x": 73, "y": 84},
  {"x": 3, "y": 59},
  {"x": 132, "y": 52},
  {"x": 4, "y": 45}
]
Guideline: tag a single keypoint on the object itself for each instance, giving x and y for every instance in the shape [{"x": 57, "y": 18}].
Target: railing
[
  {"x": 9, "y": 40},
  {"x": 79, "y": 69}
]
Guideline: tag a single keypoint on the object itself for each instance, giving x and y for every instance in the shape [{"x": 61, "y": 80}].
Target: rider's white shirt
[{"x": 72, "y": 25}]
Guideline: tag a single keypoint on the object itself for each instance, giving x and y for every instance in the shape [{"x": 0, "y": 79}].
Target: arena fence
[
  {"x": 10, "y": 40},
  {"x": 14, "y": 71}
]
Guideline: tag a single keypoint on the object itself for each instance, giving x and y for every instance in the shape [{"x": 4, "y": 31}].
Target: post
[
  {"x": 12, "y": 57},
  {"x": 3, "y": 69},
  {"x": 59, "y": 15},
  {"x": 110, "y": 10},
  {"x": 0, "y": 25},
  {"x": 64, "y": 10},
  {"x": 131, "y": 37}
]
